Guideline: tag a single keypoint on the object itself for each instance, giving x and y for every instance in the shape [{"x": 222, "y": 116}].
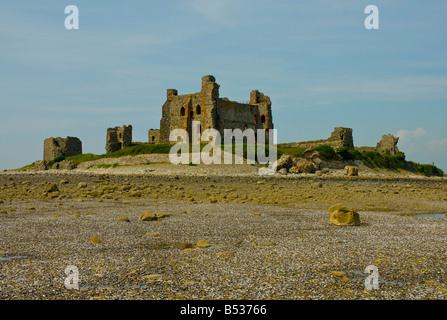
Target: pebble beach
[{"x": 219, "y": 236}]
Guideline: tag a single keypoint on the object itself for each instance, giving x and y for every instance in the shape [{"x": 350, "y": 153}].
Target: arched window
[
  {"x": 182, "y": 111},
  {"x": 198, "y": 110},
  {"x": 153, "y": 138},
  {"x": 263, "y": 119}
]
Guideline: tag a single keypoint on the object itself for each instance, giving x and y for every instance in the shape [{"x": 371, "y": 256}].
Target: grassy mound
[{"x": 378, "y": 160}]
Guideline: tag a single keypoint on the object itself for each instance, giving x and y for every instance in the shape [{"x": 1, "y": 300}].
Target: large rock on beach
[
  {"x": 40, "y": 165},
  {"x": 285, "y": 162},
  {"x": 351, "y": 171},
  {"x": 340, "y": 215}
]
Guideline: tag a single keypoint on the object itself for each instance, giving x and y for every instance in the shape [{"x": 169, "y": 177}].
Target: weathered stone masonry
[
  {"x": 55, "y": 147},
  {"x": 118, "y": 138},
  {"x": 213, "y": 112}
]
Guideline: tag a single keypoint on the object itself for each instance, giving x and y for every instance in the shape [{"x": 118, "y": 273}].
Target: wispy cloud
[
  {"x": 423, "y": 146},
  {"x": 412, "y": 140}
]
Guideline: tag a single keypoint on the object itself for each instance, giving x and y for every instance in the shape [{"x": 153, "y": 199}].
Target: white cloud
[
  {"x": 422, "y": 146},
  {"x": 408, "y": 135},
  {"x": 412, "y": 140}
]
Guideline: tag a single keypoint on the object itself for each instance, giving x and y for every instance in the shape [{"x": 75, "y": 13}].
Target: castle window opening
[
  {"x": 182, "y": 111},
  {"x": 263, "y": 119},
  {"x": 198, "y": 110},
  {"x": 120, "y": 135},
  {"x": 153, "y": 138}
]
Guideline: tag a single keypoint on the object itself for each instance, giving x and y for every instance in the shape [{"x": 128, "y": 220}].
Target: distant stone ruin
[
  {"x": 153, "y": 136},
  {"x": 340, "y": 137},
  {"x": 212, "y": 111},
  {"x": 388, "y": 145},
  {"x": 118, "y": 138},
  {"x": 56, "y": 147}
]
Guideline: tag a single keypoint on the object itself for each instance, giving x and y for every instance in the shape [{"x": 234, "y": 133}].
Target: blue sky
[{"x": 314, "y": 58}]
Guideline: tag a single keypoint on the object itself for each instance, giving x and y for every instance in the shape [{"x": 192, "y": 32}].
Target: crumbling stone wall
[
  {"x": 55, "y": 147},
  {"x": 388, "y": 145},
  {"x": 153, "y": 136},
  {"x": 213, "y": 112},
  {"x": 340, "y": 137},
  {"x": 118, "y": 138}
]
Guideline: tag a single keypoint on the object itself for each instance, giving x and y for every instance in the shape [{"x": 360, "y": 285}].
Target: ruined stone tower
[
  {"x": 118, "y": 138},
  {"x": 55, "y": 147},
  {"x": 213, "y": 112},
  {"x": 342, "y": 137},
  {"x": 388, "y": 145}
]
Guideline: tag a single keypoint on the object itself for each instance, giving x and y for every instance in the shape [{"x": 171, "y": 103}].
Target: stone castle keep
[
  {"x": 206, "y": 107},
  {"x": 213, "y": 112}
]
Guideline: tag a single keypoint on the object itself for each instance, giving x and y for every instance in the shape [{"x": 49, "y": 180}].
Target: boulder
[
  {"x": 67, "y": 165},
  {"x": 95, "y": 240},
  {"x": 303, "y": 166},
  {"x": 82, "y": 185},
  {"x": 149, "y": 216},
  {"x": 40, "y": 165},
  {"x": 312, "y": 155},
  {"x": 285, "y": 161},
  {"x": 340, "y": 215},
  {"x": 52, "y": 188},
  {"x": 351, "y": 171}
]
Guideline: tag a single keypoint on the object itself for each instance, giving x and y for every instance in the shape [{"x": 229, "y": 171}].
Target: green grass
[
  {"x": 291, "y": 151},
  {"x": 427, "y": 169},
  {"x": 376, "y": 160},
  {"x": 371, "y": 159},
  {"x": 133, "y": 150},
  {"x": 25, "y": 168}
]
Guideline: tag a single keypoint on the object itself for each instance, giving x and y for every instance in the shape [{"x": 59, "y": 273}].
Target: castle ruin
[
  {"x": 212, "y": 111},
  {"x": 118, "y": 138},
  {"x": 340, "y": 137},
  {"x": 388, "y": 145},
  {"x": 56, "y": 147}
]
